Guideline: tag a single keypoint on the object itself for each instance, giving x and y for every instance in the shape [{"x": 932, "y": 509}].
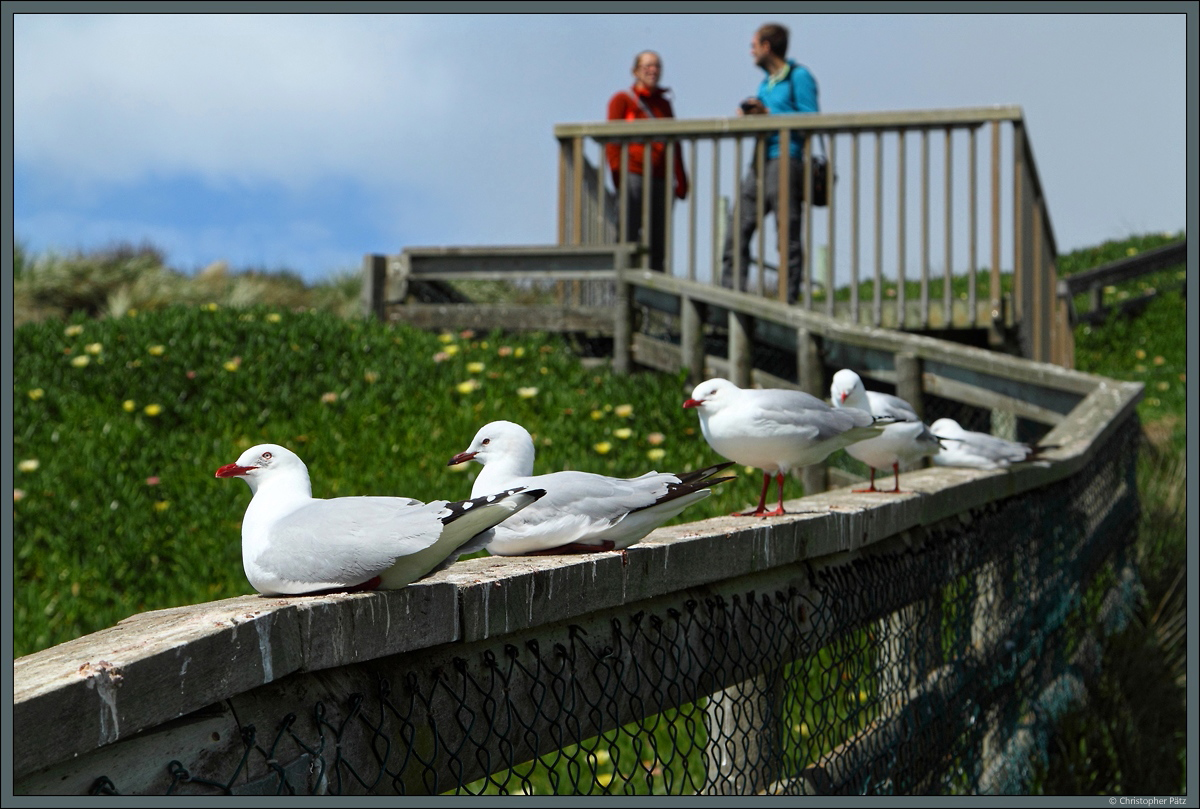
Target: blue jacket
[{"x": 795, "y": 91}]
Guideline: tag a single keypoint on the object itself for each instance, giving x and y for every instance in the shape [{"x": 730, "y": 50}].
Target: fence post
[
  {"x": 908, "y": 381},
  {"x": 691, "y": 339},
  {"x": 811, "y": 373},
  {"x": 741, "y": 349},
  {"x": 622, "y": 361},
  {"x": 374, "y": 288}
]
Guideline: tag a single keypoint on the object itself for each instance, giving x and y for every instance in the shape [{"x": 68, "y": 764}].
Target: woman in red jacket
[{"x": 646, "y": 99}]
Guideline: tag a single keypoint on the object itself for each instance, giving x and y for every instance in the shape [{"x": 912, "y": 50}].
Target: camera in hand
[{"x": 750, "y": 105}]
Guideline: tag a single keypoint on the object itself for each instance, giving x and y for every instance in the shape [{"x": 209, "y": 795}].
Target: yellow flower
[
  {"x": 451, "y": 350},
  {"x": 1159, "y": 360},
  {"x": 654, "y": 439},
  {"x": 622, "y": 433},
  {"x": 445, "y": 337},
  {"x": 36, "y": 393},
  {"x": 157, "y": 350},
  {"x": 162, "y": 505},
  {"x": 371, "y": 377},
  {"x": 519, "y": 351},
  {"x": 597, "y": 415},
  {"x": 603, "y": 447},
  {"x": 131, "y": 312},
  {"x": 470, "y": 386},
  {"x": 81, "y": 361},
  {"x": 93, "y": 348},
  {"x": 209, "y": 307},
  {"x": 804, "y": 729},
  {"x": 474, "y": 367},
  {"x": 483, "y": 344},
  {"x": 543, "y": 370},
  {"x": 128, "y": 405},
  {"x": 73, "y": 330},
  {"x": 601, "y": 755},
  {"x": 29, "y": 465},
  {"x": 274, "y": 317},
  {"x": 329, "y": 397},
  {"x": 750, "y": 470},
  {"x": 527, "y": 393},
  {"x": 1131, "y": 251},
  {"x": 656, "y": 454},
  {"x": 1140, "y": 354},
  {"x": 233, "y": 364},
  {"x": 1164, "y": 385},
  {"x": 152, "y": 410},
  {"x": 624, "y": 411},
  {"x": 604, "y": 778}
]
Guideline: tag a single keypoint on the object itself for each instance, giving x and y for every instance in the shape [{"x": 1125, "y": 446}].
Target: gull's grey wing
[
  {"x": 889, "y": 406},
  {"x": 349, "y": 539}
]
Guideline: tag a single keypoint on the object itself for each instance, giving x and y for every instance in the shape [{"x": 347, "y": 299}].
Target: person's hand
[
  {"x": 681, "y": 187},
  {"x": 752, "y": 106}
]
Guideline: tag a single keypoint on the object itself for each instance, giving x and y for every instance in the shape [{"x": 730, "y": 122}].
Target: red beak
[
  {"x": 693, "y": 403},
  {"x": 462, "y": 457},
  {"x": 232, "y": 470}
]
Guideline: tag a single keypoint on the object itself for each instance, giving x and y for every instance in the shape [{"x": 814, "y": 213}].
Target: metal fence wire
[{"x": 934, "y": 665}]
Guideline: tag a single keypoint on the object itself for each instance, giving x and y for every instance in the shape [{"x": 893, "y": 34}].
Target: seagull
[
  {"x": 905, "y": 441},
  {"x": 581, "y": 512},
  {"x": 979, "y": 450},
  {"x": 293, "y": 543},
  {"x": 776, "y": 430}
]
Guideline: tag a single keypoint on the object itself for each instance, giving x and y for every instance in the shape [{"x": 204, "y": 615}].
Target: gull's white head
[
  {"x": 847, "y": 390},
  {"x": 264, "y": 462},
  {"x": 500, "y": 440},
  {"x": 711, "y": 394}
]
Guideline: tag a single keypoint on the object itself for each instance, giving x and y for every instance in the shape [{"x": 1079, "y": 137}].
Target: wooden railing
[{"x": 1005, "y": 213}]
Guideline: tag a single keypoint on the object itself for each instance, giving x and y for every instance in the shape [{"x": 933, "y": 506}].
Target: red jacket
[{"x": 624, "y": 107}]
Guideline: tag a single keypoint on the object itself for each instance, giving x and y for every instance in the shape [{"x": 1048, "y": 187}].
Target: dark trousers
[
  {"x": 748, "y": 223},
  {"x": 658, "y": 216}
]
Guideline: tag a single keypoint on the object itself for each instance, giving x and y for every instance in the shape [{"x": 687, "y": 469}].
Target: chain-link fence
[{"x": 934, "y": 662}]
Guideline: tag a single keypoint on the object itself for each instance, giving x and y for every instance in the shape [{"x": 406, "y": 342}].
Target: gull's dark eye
[
  {"x": 487, "y": 441},
  {"x": 266, "y": 456}
]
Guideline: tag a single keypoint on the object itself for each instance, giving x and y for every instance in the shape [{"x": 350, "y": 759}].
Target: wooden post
[
  {"x": 691, "y": 339},
  {"x": 741, "y": 349},
  {"x": 811, "y": 373},
  {"x": 745, "y": 741},
  {"x": 908, "y": 381},
  {"x": 374, "y": 288},
  {"x": 622, "y": 317}
]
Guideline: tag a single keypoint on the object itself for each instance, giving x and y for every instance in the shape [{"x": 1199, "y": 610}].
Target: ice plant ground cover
[{"x": 116, "y": 507}]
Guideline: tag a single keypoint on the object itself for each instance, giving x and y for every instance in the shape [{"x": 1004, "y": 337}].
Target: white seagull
[
  {"x": 905, "y": 441},
  {"x": 581, "y": 512},
  {"x": 775, "y": 430},
  {"x": 293, "y": 543},
  {"x": 979, "y": 450}
]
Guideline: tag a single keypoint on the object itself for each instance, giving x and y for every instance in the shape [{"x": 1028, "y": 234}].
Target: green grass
[{"x": 121, "y": 422}]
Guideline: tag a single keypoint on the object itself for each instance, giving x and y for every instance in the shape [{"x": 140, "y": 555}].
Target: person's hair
[
  {"x": 776, "y": 36},
  {"x": 637, "y": 59}
]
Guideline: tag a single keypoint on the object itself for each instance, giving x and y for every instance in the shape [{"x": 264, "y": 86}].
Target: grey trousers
[
  {"x": 747, "y": 223},
  {"x": 658, "y": 216}
]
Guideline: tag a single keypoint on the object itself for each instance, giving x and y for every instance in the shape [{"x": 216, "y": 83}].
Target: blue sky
[{"x": 305, "y": 141}]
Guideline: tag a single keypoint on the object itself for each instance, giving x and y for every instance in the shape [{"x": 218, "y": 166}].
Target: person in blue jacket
[{"x": 788, "y": 88}]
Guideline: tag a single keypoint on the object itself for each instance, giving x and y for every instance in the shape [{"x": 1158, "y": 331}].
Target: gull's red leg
[
  {"x": 872, "y": 489},
  {"x": 762, "y": 500}
]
